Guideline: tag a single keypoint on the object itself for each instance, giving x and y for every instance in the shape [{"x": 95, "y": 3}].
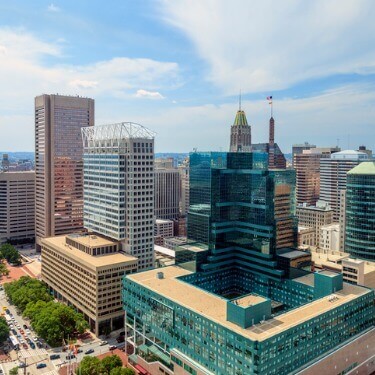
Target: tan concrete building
[
  {"x": 330, "y": 237},
  {"x": 17, "y": 206},
  {"x": 86, "y": 271},
  {"x": 306, "y": 237},
  {"x": 59, "y": 163},
  {"x": 315, "y": 217}
]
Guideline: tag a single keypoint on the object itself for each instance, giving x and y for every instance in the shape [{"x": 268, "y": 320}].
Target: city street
[{"x": 32, "y": 357}]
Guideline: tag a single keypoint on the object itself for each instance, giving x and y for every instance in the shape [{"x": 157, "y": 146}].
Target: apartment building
[{"x": 17, "y": 206}]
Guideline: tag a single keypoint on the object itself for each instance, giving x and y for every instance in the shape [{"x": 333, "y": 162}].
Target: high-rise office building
[
  {"x": 59, "y": 164},
  {"x": 360, "y": 212},
  {"x": 226, "y": 308},
  {"x": 342, "y": 219},
  {"x": 240, "y": 133},
  {"x": 167, "y": 193},
  {"x": 299, "y": 148},
  {"x": 119, "y": 187},
  {"x": 17, "y": 206},
  {"x": 307, "y": 166},
  {"x": 5, "y": 163},
  {"x": 333, "y": 172},
  {"x": 184, "y": 178}
]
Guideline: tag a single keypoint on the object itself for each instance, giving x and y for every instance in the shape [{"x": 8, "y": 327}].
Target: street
[{"x": 32, "y": 357}]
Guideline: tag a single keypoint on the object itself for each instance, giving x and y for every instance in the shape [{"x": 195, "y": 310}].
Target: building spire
[{"x": 239, "y": 107}]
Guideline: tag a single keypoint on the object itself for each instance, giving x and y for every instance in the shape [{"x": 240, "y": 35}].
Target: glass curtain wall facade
[{"x": 360, "y": 212}]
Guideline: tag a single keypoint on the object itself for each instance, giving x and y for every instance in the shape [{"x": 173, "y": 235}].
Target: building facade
[
  {"x": 85, "y": 271},
  {"x": 184, "y": 178},
  {"x": 330, "y": 237},
  {"x": 59, "y": 163},
  {"x": 314, "y": 217},
  {"x": 299, "y": 148},
  {"x": 333, "y": 172},
  {"x": 240, "y": 133},
  {"x": 360, "y": 212},
  {"x": 17, "y": 206},
  {"x": 167, "y": 193},
  {"x": 226, "y": 307},
  {"x": 119, "y": 187}
]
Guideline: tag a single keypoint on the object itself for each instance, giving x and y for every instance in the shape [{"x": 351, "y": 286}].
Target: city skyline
[{"x": 159, "y": 64}]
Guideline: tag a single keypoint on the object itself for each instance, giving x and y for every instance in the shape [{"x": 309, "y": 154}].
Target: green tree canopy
[
  {"x": 54, "y": 321},
  {"x": 11, "y": 254},
  {"x": 4, "y": 329},
  {"x": 111, "y": 362},
  {"x": 13, "y": 371},
  {"x": 26, "y": 290},
  {"x": 90, "y": 366},
  {"x": 122, "y": 371}
]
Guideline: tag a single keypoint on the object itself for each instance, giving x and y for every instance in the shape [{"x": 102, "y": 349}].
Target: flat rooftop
[
  {"x": 250, "y": 299},
  {"x": 92, "y": 240},
  {"x": 59, "y": 243},
  {"x": 214, "y": 307},
  {"x": 194, "y": 247},
  {"x": 293, "y": 254}
]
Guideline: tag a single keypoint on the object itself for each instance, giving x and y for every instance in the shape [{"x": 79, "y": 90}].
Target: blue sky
[{"x": 177, "y": 66}]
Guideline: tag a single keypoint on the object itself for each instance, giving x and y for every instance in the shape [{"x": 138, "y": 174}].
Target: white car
[
  {"x": 28, "y": 332},
  {"x": 35, "y": 338}
]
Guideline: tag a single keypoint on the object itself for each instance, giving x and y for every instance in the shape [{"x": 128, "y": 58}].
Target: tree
[
  {"x": 90, "y": 366},
  {"x": 122, "y": 371},
  {"x": 26, "y": 290},
  {"x": 11, "y": 254},
  {"x": 4, "y": 329},
  {"x": 13, "y": 371},
  {"x": 111, "y": 362},
  {"x": 3, "y": 269}
]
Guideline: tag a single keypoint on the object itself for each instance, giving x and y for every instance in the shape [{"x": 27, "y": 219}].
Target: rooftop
[
  {"x": 91, "y": 240},
  {"x": 349, "y": 154},
  {"x": 250, "y": 299},
  {"x": 93, "y": 262},
  {"x": 215, "y": 307},
  {"x": 367, "y": 167},
  {"x": 240, "y": 118},
  {"x": 293, "y": 254}
]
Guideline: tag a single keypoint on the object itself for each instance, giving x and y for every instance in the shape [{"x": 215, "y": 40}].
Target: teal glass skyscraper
[
  {"x": 360, "y": 211},
  {"x": 228, "y": 307}
]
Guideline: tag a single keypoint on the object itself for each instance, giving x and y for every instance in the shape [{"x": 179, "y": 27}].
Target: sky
[{"x": 178, "y": 66}]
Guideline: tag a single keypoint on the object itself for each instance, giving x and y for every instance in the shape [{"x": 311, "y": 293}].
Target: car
[
  {"x": 39, "y": 344},
  {"x": 32, "y": 345},
  {"x": 79, "y": 351},
  {"x": 54, "y": 356},
  {"x": 25, "y": 326},
  {"x": 35, "y": 338},
  {"x": 120, "y": 339},
  {"x": 22, "y": 331},
  {"x": 41, "y": 365},
  {"x": 14, "y": 331},
  {"x": 11, "y": 326},
  {"x": 102, "y": 343},
  {"x": 28, "y": 332},
  {"x": 25, "y": 346},
  {"x": 22, "y": 365},
  {"x": 70, "y": 356},
  {"x": 122, "y": 333},
  {"x": 112, "y": 347},
  {"x": 89, "y": 351}
]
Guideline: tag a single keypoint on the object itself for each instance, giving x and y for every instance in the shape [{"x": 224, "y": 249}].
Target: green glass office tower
[
  {"x": 226, "y": 307},
  {"x": 360, "y": 212}
]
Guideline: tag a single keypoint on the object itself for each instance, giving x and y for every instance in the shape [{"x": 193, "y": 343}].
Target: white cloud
[
  {"x": 263, "y": 45},
  {"x": 79, "y": 83},
  {"x": 53, "y": 8},
  {"x": 148, "y": 94}
]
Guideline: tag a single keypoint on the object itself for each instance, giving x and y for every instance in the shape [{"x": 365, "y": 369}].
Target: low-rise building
[
  {"x": 85, "y": 271},
  {"x": 306, "y": 237},
  {"x": 330, "y": 237},
  {"x": 163, "y": 228}
]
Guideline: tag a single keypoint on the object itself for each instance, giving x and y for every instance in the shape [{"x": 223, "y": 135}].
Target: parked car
[
  {"x": 25, "y": 346},
  {"x": 54, "y": 356},
  {"x": 14, "y": 331},
  {"x": 79, "y": 351},
  {"x": 25, "y": 326},
  {"x": 120, "y": 339},
  {"x": 89, "y": 351},
  {"x": 41, "y": 365},
  {"x": 102, "y": 343},
  {"x": 32, "y": 345},
  {"x": 112, "y": 347},
  {"x": 70, "y": 356},
  {"x": 22, "y": 365},
  {"x": 39, "y": 344},
  {"x": 28, "y": 332}
]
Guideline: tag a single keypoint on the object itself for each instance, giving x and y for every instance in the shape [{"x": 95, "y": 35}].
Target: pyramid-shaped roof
[
  {"x": 240, "y": 118},
  {"x": 366, "y": 167}
]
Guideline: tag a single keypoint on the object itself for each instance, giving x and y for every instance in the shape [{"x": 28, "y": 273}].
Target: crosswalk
[
  {"x": 26, "y": 353},
  {"x": 53, "y": 372}
]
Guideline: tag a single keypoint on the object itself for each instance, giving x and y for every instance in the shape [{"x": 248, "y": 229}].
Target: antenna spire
[{"x": 239, "y": 99}]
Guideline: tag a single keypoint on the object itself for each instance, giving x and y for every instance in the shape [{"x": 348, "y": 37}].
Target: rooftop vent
[{"x": 160, "y": 275}]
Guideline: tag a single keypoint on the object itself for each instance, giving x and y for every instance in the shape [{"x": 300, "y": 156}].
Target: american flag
[{"x": 269, "y": 97}]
